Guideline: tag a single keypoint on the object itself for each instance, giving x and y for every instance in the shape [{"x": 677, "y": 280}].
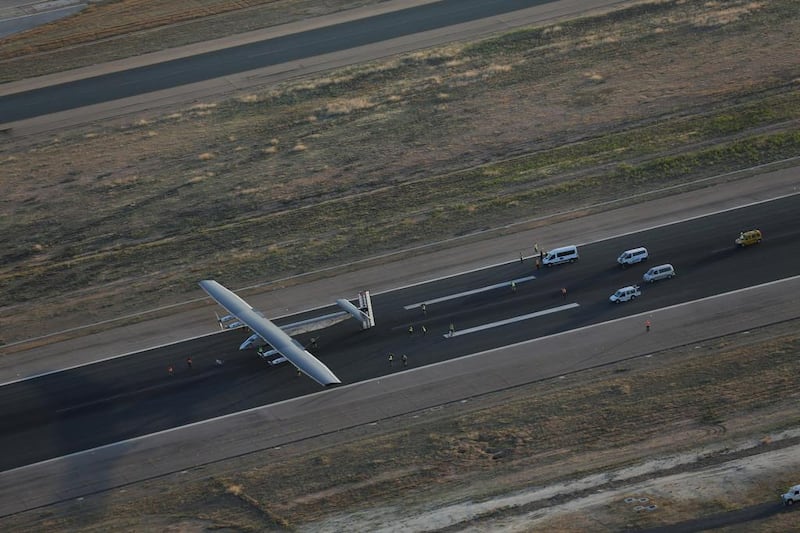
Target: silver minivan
[{"x": 659, "y": 272}]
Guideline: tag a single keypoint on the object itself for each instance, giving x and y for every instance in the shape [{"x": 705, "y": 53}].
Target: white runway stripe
[
  {"x": 510, "y": 320},
  {"x": 469, "y": 293}
]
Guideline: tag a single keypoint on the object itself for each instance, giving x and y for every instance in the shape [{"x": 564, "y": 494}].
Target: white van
[
  {"x": 629, "y": 257},
  {"x": 625, "y": 293},
  {"x": 792, "y": 496},
  {"x": 659, "y": 272},
  {"x": 565, "y": 254}
]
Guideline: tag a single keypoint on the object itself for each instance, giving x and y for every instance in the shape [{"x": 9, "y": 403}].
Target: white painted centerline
[
  {"x": 469, "y": 293},
  {"x": 510, "y": 320}
]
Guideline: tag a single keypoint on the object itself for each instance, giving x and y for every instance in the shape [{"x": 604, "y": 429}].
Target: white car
[
  {"x": 792, "y": 496},
  {"x": 625, "y": 293}
]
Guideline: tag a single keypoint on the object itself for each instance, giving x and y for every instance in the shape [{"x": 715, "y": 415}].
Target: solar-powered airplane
[{"x": 266, "y": 332}]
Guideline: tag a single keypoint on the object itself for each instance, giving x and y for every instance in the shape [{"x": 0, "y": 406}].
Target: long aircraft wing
[{"x": 272, "y": 334}]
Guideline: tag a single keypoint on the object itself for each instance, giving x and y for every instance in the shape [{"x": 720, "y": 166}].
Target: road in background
[
  {"x": 20, "y": 15},
  {"x": 248, "y": 57},
  {"x": 239, "y": 62}
]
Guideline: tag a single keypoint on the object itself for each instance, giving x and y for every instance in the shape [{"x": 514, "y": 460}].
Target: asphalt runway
[
  {"x": 93, "y": 405},
  {"x": 219, "y": 63}
]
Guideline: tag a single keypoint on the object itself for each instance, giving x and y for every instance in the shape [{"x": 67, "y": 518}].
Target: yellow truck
[{"x": 747, "y": 238}]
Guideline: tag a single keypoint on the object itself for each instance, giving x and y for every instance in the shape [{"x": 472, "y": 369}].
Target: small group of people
[
  {"x": 423, "y": 328},
  {"x": 537, "y": 254},
  {"x": 189, "y": 365},
  {"x": 403, "y": 359},
  {"x": 171, "y": 369}
]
